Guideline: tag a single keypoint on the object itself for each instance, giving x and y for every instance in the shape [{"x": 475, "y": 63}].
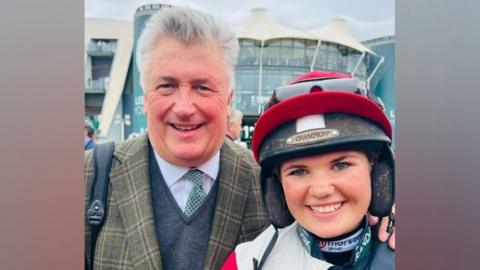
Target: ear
[
  {"x": 230, "y": 97},
  {"x": 229, "y": 106}
]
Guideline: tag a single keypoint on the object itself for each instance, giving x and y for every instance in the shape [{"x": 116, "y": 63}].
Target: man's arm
[{"x": 255, "y": 218}]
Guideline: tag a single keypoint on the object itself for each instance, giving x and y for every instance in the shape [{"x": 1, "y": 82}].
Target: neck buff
[{"x": 347, "y": 248}]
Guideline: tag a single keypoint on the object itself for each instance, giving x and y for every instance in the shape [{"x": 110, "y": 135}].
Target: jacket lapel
[
  {"x": 131, "y": 190},
  {"x": 229, "y": 207}
]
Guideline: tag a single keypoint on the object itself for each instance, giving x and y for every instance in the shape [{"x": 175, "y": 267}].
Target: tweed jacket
[{"x": 128, "y": 239}]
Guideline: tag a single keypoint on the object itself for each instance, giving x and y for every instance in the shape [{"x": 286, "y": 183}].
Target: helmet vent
[{"x": 316, "y": 88}]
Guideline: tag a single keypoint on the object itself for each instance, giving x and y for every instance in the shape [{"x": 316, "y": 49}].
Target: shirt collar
[{"x": 172, "y": 173}]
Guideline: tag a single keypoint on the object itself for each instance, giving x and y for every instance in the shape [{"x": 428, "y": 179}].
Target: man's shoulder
[
  {"x": 237, "y": 154},
  {"x": 131, "y": 147},
  {"x": 135, "y": 150},
  {"x": 123, "y": 150}
]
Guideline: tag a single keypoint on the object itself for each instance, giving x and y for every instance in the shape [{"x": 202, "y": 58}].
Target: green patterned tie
[{"x": 198, "y": 195}]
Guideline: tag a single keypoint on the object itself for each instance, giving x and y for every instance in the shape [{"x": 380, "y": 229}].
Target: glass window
[
  {"x": 271, "y": 53},
  {"x": 299, "y": 43},
  {"x": 246, "y": 87},
  {"x": 273, "y": 77},
  {"x": 249, "y": 53},
  {"x": 289, "y": 52},
  {"x": 286, "y": 42},
  {"x": 332, "y": 56},
  {"x": 101, "y": 66}
]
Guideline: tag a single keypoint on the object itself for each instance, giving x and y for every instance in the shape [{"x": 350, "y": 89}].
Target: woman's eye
[
  {"x": 340, "y": 166},
  {"x": 297, "y": 172}
]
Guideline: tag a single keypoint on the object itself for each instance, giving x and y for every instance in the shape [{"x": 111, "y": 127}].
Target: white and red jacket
[{"x": 287, "y": 253}]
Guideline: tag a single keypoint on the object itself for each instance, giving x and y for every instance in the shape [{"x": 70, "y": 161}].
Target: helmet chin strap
[{"x": 391, "y": 222}]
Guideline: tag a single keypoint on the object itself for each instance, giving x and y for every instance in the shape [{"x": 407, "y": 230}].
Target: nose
[
  {"x": 184, "y": 106},
  {"x": 321, "y": 189}
]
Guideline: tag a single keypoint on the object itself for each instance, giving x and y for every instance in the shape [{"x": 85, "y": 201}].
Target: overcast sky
[{"x": 366, "y": 19}]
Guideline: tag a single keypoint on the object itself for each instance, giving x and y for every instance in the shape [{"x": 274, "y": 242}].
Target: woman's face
[{"x": 328, "y": 194}]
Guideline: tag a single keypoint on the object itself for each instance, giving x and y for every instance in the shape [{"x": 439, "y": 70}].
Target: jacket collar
[
  {"x": 131, "y": 190},
  {"x": 234, "y": 182}
]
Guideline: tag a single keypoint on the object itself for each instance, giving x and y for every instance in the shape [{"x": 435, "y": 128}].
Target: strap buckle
[
  {"x": 95, "y": 213},
  {"x": 391, "y": 222}
]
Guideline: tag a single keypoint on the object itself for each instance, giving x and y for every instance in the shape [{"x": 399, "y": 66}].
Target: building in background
[
  {"x": 384, "y": 83},
  {"x": 108, "y": 51},
  {"x": 270, "y": 55},
  {"x": 142, "y": 14}
]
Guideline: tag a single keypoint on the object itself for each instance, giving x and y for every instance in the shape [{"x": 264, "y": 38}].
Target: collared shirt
[{"x": 179, "y": 186}]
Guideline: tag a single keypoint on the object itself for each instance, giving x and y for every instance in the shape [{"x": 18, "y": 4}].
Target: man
[
  {"x": 235, "y": 127},
  {"x": 181, "y": 196},
  {"x": 234, "y": 124},
  {"x": 89, "y": 137},
  {"x": 186, "y": 61}
]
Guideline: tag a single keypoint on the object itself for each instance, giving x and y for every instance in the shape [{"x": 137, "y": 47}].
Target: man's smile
[{"x": 184, "y": 127}]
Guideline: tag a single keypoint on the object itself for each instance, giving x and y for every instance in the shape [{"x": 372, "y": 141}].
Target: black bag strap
[
  {"x": 102, "y": 158},
  {"x": 271, "y": 244}
]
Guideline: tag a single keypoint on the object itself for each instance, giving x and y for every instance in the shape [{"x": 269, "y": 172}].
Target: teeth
[
  {"x": 326, "y": 209},
  {"x": 185, "y": 128}
]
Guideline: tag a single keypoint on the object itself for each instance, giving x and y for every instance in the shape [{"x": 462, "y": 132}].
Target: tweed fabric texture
[
  {"x": 198, "y": 195},
  {"x": 128, "y": 239}
]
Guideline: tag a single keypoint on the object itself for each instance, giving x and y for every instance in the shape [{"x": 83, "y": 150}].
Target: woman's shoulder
[
  {"x": 243, "y": 254},
  {"x": 256, "y": 247},
  {"x": 280, "y": 249}
]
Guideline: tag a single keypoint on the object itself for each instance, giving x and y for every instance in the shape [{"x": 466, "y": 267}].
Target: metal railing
[
  {"x": 102, "y": 46},
  {"x": 97, "y": 86}
]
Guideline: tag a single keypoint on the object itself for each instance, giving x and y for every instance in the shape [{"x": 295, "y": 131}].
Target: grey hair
[
  {"x": 235, "y": 115},
  {"x": 190, "y": 27}
]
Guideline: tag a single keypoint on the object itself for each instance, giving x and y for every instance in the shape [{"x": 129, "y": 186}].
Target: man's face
[
  {"x": 328, "y": 194},
  {"x": 186, "y": 101}
]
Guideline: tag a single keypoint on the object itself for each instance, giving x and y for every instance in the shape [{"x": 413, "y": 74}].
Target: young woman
[{"x": 323, "y": 143}]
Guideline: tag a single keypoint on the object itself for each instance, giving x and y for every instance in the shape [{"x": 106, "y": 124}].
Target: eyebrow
[
  {"x": 175, "y": 80},
  {"x": 199, "y": 81},
  {"x": 296, "y": 166},
  {"x": 342, "y": 157},
  {"x": 338, "y": 159},
  {"x": 167, "y": 78}
]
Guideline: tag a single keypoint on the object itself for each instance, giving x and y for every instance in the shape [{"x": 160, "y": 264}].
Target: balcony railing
[
  {"x": 101, "y": 48},
  {"x": 97, "y": 86}
]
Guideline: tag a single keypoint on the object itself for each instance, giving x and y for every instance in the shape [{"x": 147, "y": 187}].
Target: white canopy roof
[
  {"x": 336, "y": 31},
  {"x": 260, "y": 26}
]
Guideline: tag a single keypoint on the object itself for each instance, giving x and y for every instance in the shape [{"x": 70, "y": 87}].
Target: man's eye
[
  {"x": 297, "y": 172},
  {"x": 341, "y": 166},
  {"x": 201, "y": 88},
  {"x": 165, "y": 86}
]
